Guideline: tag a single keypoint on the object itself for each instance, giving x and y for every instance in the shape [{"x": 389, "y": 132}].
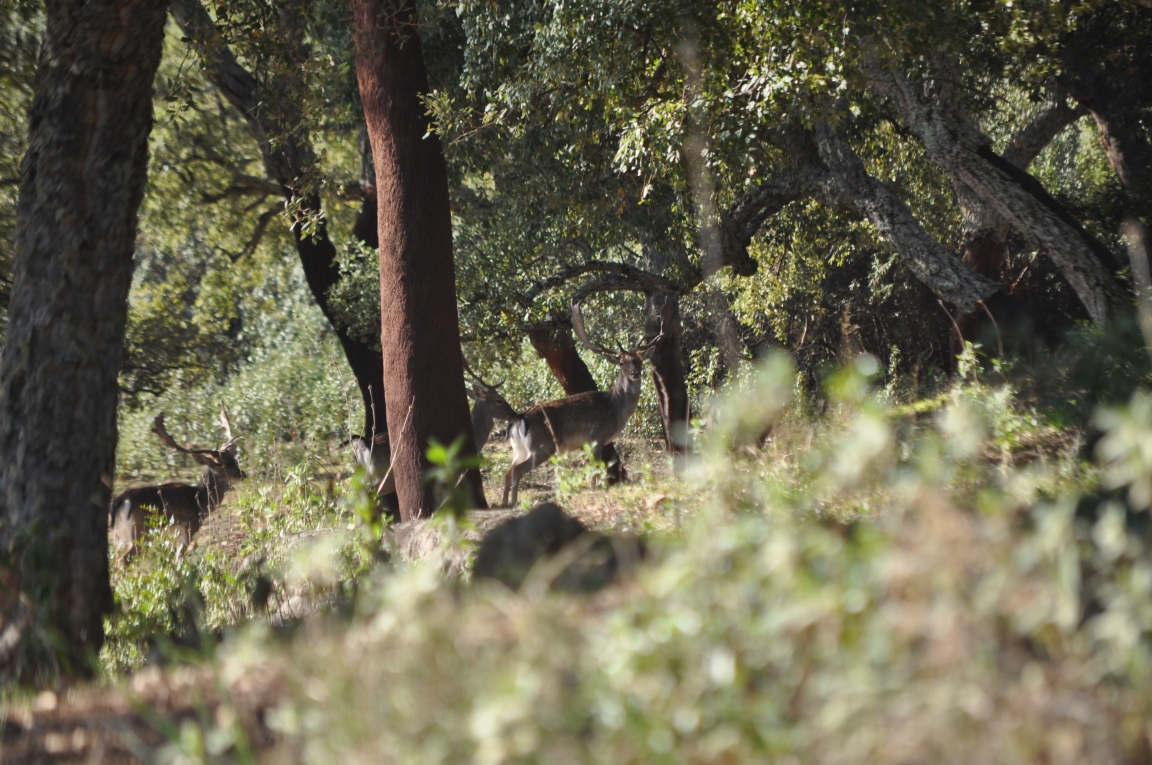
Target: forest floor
[
  {"x": 952, "y": 580},
  {"x": 144, "y": 716}
]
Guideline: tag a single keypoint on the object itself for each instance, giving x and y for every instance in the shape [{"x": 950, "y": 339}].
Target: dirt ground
[{"x": 155, "y": 715}]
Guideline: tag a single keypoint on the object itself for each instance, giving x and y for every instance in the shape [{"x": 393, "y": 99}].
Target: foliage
[
  {"x": 292, "y": 399},
  {"x": 885, "y": 584},
  {"x": 291, "y": 542}
]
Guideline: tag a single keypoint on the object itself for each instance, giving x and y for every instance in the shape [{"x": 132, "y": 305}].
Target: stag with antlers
[
  {"x": 567, "y": 424},
  {"x": 181, "y": 505},
  {"x": 489, "y": 406}
]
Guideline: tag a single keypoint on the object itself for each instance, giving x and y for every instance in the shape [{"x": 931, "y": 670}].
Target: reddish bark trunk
[
  {"x": 82, "y": 180},
  {"x": 420, "y": 335},
  {"x": 558, "y": 349}
]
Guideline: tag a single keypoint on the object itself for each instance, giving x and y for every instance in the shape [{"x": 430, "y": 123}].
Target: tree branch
[
  {"x": 740, "y": 222},
  {"x": 286, "y": 157},
  {"x": 622, "y": 272},
  {"x": 1045, "y": 125},
  {"x": 848, "y": 185},
  {"x": 934, "y": 112}
]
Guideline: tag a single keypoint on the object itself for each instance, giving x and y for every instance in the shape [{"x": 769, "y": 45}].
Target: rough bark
[
  {"x": 848, "y": 185},
  {"x": 827, "y": 168},
  {"x": 556, "y": 346},
  {"x": 953, "y": 142},
  {"x": 662, "y": 314},
  {"x": 981, "y": 220},
  {"x": 82, "y": 181},
  {"x": 420, "y": 334},
  {"x": 287, "y": 155}
]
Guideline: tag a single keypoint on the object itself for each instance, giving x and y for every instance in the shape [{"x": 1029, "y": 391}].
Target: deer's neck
[
  {"x": 482, "y": 421},
  {"x": 625, "y": 395},
  {"x": 211, "y": 490}
]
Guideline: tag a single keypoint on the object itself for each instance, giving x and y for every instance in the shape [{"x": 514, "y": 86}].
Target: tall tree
[
  {"x": 420, "y": 333},
  {"x": 285, "y": 147},
  {"x": 81, "y": 183}
]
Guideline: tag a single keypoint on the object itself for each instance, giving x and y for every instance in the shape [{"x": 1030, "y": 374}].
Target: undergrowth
[{"x": 945, "y": 580}]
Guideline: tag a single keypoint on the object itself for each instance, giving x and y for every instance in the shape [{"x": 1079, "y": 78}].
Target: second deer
[
  {"x": 567, "y": 424},
  {"x": 179, "y": 504},
  {"x": 375, "y": 456},
  {"x": 490, "y": 406}
]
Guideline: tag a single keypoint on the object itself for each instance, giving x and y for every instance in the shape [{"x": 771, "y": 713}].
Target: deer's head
[
  {"x": 631, "y": 361},
  {"x": 220, "y": 462},
  {"x": 488, "y": 394}
]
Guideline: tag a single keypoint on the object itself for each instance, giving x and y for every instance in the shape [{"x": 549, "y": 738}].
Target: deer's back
[
  {"x": 576, "y": 420},
  {"x": 176, "y": 501}
]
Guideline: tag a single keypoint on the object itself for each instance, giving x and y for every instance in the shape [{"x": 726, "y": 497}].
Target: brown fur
[
  {"x": 179, "y": 504},
  {"x": 568, "y": 424}
]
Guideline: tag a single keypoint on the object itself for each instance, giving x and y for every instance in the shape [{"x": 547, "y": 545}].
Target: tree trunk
[
  {"x": 1130, "y": 156},
  {"x": 318, "y": 259},
  {"x": 952, "y": 141},
  {"x": 985, "y": 230},
  {"x": 81, "y": 184},
  {"x": 1107, "y": 69},
  {"x": 286, "y": 152},
  {"x": 849, "y": 185},
  {"x": 662, "y": 314},
  {"x": 558, "y": 349},
  {"x": 420, "y": 333}
]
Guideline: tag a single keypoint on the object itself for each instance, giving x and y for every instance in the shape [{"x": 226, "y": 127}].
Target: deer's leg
[
  {"x": 597, "y": 453},
  {"x": 128, "y": 528},
  {"x": 515, "y": 473},
  {"x": 185, "y": 534},
  {"x": 507, "y": 486}
]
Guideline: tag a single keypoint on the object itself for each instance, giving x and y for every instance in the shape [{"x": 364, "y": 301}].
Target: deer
[
  {"x": 567, "y": 424},
  {"x": 375, "y": 456},
  {"x": 183, "y": 505},
  {"x": 490, "y": 406}
]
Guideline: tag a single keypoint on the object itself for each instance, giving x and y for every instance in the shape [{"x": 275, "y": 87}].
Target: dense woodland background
[{"x": 885, "y": 544}]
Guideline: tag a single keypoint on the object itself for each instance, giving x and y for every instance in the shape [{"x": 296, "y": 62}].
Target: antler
[
  {"x": 158, "y": 429},
  {"x": 578, "y": 325},
  {"x": 648, "y": 345},
  {"x": 643, "y": 347},
  {"x": 227, "y": 428},
  {"x": 477, "y": 378}
]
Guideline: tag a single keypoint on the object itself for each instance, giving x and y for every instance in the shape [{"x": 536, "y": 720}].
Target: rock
[{"x": 578, "y": 560}]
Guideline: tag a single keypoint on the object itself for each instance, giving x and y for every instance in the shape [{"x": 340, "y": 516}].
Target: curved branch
[
  {"x": 740, "y": 222},
  {"x": 848, "y": 185},
  {"x": 622, "y": 272},
  {"x": 1045, "y": 125}
]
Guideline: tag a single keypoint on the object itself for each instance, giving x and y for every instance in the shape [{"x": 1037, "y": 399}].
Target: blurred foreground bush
[{"x": 940, "y": 583}]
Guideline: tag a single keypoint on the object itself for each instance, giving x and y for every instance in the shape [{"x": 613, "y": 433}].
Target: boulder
[{"x": 558, "y": 550}]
